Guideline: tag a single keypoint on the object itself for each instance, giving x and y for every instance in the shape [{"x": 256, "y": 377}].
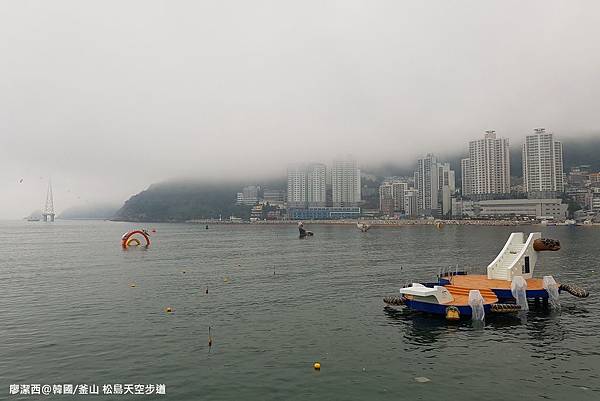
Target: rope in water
[
  {"x": 574, "y": 290},
  {"x": 394, "y": 300},
  {"x": 505, "y": 308}
]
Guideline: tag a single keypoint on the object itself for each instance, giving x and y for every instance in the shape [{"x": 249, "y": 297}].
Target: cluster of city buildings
[
  {"x": 428, "y": 193},
  {"x": 316, "y": 191},
  {"x": 485, "y": 190},
  {"x": 583, "y": 187}
]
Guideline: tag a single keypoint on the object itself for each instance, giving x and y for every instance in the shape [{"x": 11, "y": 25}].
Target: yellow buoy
[
  {"x": 168, "y": 309},
  {"x": 452, "y": 313},
  {"x": 317, "y": 366},
  {"x": 225, "y": 280}
]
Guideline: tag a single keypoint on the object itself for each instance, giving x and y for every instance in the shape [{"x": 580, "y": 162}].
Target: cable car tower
[{"x": 48, "y": 212}]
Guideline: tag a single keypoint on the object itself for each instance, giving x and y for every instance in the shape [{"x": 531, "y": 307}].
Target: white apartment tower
[
  {"x": 488, "y": 170},
  {"x": 345, "y": 182},
  {"x": 542, "y": 165},
  {"x": 316, "y": 179},
  {"x": 306, "y": 185},
  {"x": 426, "y": 184},
  {"x": 435, "y": 186},
  {"x": 296, "y": 186}
]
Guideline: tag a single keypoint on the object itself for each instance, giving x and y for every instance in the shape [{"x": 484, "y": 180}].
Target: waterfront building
[
  {"x": 296, "y": 186},
  {"x": 426, "y": 184},
  {"x": 410, "y": 202},
  {"x": 464, "y": 208},
  {"x": 579, "y": 194},
  {"x": 435, "y": 186},
  {"x": 345, "y": 183},
  {"x": 488, "y": 167},
  {"x": 594, "y": 202},
  {"x": 446, "y": 189},
  {"x": 386, "y": 200},
  {"x": 256, "y": 213},
  {"x": 391, "y": 197},
  {"x": 543, "y": 174},
  {"x": 503, "y": 208},
  {"x": 316, "y": 181},
  {"x": 466, "y": 182},
  {"x": 306, "y": 185},
  {"x": 324, "y": 213}
]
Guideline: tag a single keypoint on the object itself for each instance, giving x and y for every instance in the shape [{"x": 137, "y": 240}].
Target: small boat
[{"x": 507, "y": 286}]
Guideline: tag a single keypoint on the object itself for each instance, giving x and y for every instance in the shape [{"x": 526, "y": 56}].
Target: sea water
[{"x": 277, "y": 304}]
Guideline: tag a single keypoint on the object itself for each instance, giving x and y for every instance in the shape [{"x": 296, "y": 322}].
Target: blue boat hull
[{"x": 438, "y": 309}]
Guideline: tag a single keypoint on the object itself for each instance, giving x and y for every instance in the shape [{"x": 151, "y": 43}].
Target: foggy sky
[{"x": 108, "y": 97}]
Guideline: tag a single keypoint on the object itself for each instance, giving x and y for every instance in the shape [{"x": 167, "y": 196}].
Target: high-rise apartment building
[
  {"x": 410, "y": 202},
  {"x": 435, "y": 186},
  {"x": 446, "y": 188},
  {"x": 543, "y": 175},
  {"x": 316, "y": 180},
  {"x": 306, "y": 185},
  {"x": 488, "y": 169},
  {"x": 465, "y": 169},
  {"x": 391, "y": 196},
  {"x": 296, "y": 186},
  {"x": 426, "y": 184},
  {"x": 345, "y": 182}
]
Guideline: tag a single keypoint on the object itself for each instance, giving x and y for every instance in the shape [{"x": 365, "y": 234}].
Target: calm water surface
[{"x": 69, "y": 314}]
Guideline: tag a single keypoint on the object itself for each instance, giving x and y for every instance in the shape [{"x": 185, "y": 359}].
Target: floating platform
[{"x": 508, "y": 285}]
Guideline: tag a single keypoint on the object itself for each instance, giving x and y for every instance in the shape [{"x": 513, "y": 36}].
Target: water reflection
[{"x": 421, "y": 328}]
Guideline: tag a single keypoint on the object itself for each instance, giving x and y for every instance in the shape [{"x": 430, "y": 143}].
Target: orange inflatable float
[{"x": 134, "y": 238}]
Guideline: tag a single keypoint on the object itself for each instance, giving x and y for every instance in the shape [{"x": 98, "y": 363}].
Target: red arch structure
[{"x": 129, "y": 238}]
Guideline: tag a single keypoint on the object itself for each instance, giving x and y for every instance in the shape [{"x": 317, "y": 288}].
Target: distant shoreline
[
  {"x": 372, "y": 222},
  {"x": 379, "y": 223}
]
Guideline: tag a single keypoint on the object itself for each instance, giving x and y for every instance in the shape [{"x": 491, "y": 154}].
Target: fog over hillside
[{"x": 107, "y": 98}]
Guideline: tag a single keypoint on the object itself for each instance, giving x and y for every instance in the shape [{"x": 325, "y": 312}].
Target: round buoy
[
  {"x": 132, "y": 285},
  {"x": 317, "y": 366},
  {"x": 168, "y": 309},
  {"x": 452, "y": 313},
  {"x": 183, "y": 272}
]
